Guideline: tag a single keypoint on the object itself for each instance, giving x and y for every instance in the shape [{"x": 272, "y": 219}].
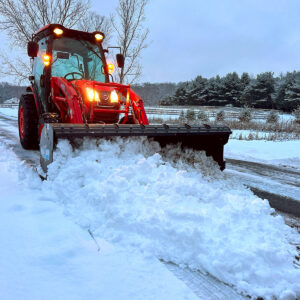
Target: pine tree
[
  {"x": 263, "y": 90},
  {"x": 190, "y": 115},
  {"x": 247, "y": 96},
  {"x": 196, "y": 95},
  {"x": 232, "y": 88},
  {"x": 245, "y": 80},
  {"x": 215, "y": 91},
  {"x": 292, "y": 94},
  {"x": 181, "y": 96}
]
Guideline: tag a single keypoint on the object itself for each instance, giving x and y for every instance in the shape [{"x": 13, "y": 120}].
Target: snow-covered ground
[
  {"x": 284, "y": 153},
  {"x": 263, "y": 135},
  {"x": 45, "y": 255},
  {"x": 10, "y": 112},
  {"x": 194, "y": 216},
  {"x": 141, "y": 206}
]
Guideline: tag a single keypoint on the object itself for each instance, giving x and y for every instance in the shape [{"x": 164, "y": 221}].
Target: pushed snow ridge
[{"x": 178, "y": 207}]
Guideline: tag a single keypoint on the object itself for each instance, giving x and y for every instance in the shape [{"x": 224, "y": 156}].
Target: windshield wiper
[{"x": 91, "y": 49}]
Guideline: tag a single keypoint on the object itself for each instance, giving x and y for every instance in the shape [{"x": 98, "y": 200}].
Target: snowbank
[
  {"x": 270, "y": 152},
  {"x": 45, "y": 255},
  {"x": 192, "y": 215}
]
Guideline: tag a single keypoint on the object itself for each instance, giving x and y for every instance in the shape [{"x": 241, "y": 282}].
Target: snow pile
[
  {"x": 187, "y": 213},
  {"x": 44, "y": 255}
]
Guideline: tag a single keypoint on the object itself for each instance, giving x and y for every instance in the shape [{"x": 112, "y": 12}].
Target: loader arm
[
  {"x": 138, "y": 108},
  {"x": 67, "y": 101}
]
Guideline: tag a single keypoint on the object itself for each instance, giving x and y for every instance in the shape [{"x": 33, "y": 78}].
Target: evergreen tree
[
  {"x": 196, "y": 94},
  {"x": 282, "y": 84},
  {"x": 216, "y": 90},
  {"x": 263, "y": 90},
  {"x": 232, "y": 88},
  {"x": 247, "y": 96},
  {"x": 181, "y": 96},
  {"x": 292, "y": 94},
  {"x": 245, "y": 80}
]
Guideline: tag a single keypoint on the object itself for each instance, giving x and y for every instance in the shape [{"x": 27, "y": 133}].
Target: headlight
[
  {"x": 114, "y": 97},
  {"x": 92, "y": 95}
]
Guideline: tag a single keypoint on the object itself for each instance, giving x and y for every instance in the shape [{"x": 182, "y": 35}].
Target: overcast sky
[{"x": 196, "y": 37}]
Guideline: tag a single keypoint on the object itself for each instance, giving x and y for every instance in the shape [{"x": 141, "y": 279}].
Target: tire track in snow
[
  {"x": 279, "y": 185},
  {"x": 204, "y": 286}
]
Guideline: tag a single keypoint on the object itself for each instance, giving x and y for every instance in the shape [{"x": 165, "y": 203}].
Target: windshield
[{"x": 76, "y": 59}]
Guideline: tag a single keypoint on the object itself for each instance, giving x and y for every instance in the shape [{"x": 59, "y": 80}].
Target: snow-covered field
[{"x": 141, "y": 204}]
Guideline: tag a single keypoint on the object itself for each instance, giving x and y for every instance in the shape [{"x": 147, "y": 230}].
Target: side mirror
[
  {"x": 32, "y": 49},
  {"x": 120, "y": 60}
]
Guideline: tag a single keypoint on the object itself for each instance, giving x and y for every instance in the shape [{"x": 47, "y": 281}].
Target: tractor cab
[
  {"x": 77, "y": 59},
  {"x": 68, "y": 62}
]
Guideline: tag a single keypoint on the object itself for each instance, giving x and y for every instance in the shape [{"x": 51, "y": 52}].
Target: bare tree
[
  {"x": 96, "y": 22},
  {"x": 21, "y": 18},
  {"x": 131, "y": 36},
  {"x": 17, "y": 68}
]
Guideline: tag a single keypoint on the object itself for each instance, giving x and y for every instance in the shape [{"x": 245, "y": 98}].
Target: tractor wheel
[{"x": 28, "y": 123}]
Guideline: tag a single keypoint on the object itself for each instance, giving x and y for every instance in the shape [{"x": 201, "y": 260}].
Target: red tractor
[{"x": 72, "y": 96}]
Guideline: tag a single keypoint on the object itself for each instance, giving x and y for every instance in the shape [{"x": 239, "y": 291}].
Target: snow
[
  {"x": 286, "y": 117},
  {"x": 192, "y": 215},
  {"x": 45, "y": 255},
  {"x": 10, "y": 112},
  {"x": 12, "y": 101},
  {"x": 285, "y": 153},
  {"x": 142, "y": 204}
]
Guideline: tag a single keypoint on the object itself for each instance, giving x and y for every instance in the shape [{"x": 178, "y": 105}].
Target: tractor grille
[{"x": 104, "y": 99}]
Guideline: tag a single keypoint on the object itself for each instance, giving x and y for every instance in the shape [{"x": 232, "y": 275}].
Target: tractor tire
[{"x": 28, "y": 123}]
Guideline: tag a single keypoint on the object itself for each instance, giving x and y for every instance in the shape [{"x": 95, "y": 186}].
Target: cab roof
[{"x": 48, "y": 30}]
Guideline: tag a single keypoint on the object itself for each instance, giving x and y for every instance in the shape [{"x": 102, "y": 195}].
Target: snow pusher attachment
[
  {"x": 210, "y": 139},
  {"x": 72, "y": 95}
]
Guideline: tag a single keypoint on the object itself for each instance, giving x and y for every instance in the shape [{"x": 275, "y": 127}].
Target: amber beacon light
[
  {"x": 99, "y": 37},
  {"x": 58, "y": 31},
  {"x": 46, "y": 59}
]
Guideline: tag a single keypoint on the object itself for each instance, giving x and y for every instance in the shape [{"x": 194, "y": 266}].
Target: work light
[{"x": 58, "y": 31}]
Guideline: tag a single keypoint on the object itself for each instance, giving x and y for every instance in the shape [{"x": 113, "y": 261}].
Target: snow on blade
[{"x": 178, "y": 207}]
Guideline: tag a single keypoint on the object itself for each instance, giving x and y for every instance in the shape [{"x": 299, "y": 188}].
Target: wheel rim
[{"x": 21, "y": 122}]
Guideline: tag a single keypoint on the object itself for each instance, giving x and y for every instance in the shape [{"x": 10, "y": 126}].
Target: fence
[
  {"x": 211, "y": 112},
  {"x": 9, "y": 105}
]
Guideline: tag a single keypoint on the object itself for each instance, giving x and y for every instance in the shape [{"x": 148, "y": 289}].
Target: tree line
[
  {"x": 262, "y": 91},
  {"x": 8, "y": 91},
  {"x": 152, "y": 92}
]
